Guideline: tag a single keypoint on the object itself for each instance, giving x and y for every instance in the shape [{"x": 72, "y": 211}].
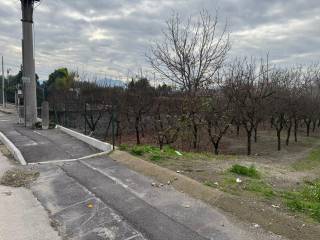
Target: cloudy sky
[{"x": 111, "y": 37}]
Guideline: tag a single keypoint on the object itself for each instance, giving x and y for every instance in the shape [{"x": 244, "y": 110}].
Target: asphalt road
[
  {"x": 99, "y": 198},
  {"x": 42, "y": 145}
]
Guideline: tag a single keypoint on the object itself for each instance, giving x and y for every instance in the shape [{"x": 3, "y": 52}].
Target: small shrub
[
  {"x": 137, "y": 151},
  {"x": 156, "y": 158},
  {"x": 245, "y": 171}
]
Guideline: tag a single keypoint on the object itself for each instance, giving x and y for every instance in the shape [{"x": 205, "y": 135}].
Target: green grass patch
[
  {"x": 245, "y": 171},
  {"x": 248, "y": 186},
  {"x": 260, "y": 187},
  {"x": 312, "y": 161},
  {"x": 151, "y": 153},
  {"x": 156, "y": 158},
  {"x": 154, "y": 153},
  {"x": 306, "y": 200}
]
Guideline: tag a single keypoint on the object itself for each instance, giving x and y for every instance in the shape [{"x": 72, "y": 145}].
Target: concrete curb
[
  {"x": 72, "y": 160},
  {"x": 103, "y": 146},
  {"x": 6, "y": 112},
  {"x": 13, "y": 149}
]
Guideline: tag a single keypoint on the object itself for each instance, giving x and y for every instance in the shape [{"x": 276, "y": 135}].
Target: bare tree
[
  {"x": 311, "y": 96},
  {"x": 139, "y": 98},
  {"x": 191, "y": 52},
  {"x": 280, "y": 102},
  {"x": 190, "y": 55},
  {"x": 218, "y": 117},
  {"x": 249, "y": 86},
  {"x": 166, "y": 120}
]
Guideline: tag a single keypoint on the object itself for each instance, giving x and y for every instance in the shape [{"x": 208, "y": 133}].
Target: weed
[
  {"x": 19, "y": 178},
  {"x": 258, "y": 186},
  {"x": 305, "y": 200},
  {"x": 210, "y": 184},
  {"x": 137, "y": 151},
  {"x": 156, "y": 158},
  {"x": 245, "y": 171}
]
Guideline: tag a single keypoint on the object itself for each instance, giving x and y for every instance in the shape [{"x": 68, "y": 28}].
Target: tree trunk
[
  {"x": 279, "y": 139},
  {"x": 308, "y": 123},
  {"x": 107, "y": 129},
  {"x": 160, "y": 144},
  {"x": 216, "y": 148},
  {"x": 288, "y": 133},
  {"x": 137, "y": 130},
  {"x": 249, "y": 133},
  {"x": 314, "y": 124},
  {"x": 195, "y": 135},
  {"x": 255, "y": 134},
  {"x": 295, "y": 130}
]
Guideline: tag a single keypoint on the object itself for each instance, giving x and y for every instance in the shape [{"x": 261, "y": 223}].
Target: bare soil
[
  {"x": 277, "y": 169},
  {"x": 19, "y": 177}
]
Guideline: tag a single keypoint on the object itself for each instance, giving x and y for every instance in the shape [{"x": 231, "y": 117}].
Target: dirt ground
[{"x": 284, "y": 170}]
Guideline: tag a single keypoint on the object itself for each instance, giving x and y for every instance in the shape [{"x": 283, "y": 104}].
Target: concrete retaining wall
[{"x": 103, "y": 146}]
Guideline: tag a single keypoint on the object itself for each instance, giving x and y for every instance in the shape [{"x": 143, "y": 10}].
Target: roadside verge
[
  {"x": 163, "y": 175},
  {"x": 245, "y": 212}
]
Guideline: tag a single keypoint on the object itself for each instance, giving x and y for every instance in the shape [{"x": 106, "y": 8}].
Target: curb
[
  {"x": 13, "y": 149},
  {"x": 6, "y": 112},
  {"x": 103, "y": 146},
  {"x": 71, "y": 160}
]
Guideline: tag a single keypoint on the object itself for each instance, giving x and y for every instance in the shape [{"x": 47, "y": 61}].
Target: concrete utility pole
[
  {"x": 28, "y": 73},
  {"x": 3, "y": 97},
  {"x": 7, "y": 83}
]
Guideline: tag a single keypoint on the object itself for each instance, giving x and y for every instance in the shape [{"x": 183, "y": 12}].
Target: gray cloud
[{"x": 112, "y": 36}]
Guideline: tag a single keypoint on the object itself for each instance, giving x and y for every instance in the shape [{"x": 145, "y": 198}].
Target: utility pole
[
  {"x": 3, "y": 97},
  {"x": 8, "y": 85},
  {"x": 28, "y": 73}
]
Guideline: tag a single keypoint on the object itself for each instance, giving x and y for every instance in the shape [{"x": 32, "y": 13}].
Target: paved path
[
  {"x": 99, "y": 198},
  {"x": 42, "y": 145},
  {"x": 22, "y": 217}
]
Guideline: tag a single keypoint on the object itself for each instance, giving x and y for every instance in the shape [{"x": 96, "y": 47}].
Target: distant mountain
[{"x": 110, "y": 82}]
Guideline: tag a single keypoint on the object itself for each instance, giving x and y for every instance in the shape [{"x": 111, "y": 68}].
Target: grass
[
  {"x": 245, "y": 171},
  {"x": 152, "y": 153},
  {"x": 248, "y": 185},
  {"x": 260, "y": 187},
  {"x": 306, "y": 200},
  {"x": 312, "y": 161}
]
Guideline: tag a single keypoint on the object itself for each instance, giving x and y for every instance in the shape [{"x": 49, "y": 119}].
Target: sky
[{"x": 112, "y": 37}]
